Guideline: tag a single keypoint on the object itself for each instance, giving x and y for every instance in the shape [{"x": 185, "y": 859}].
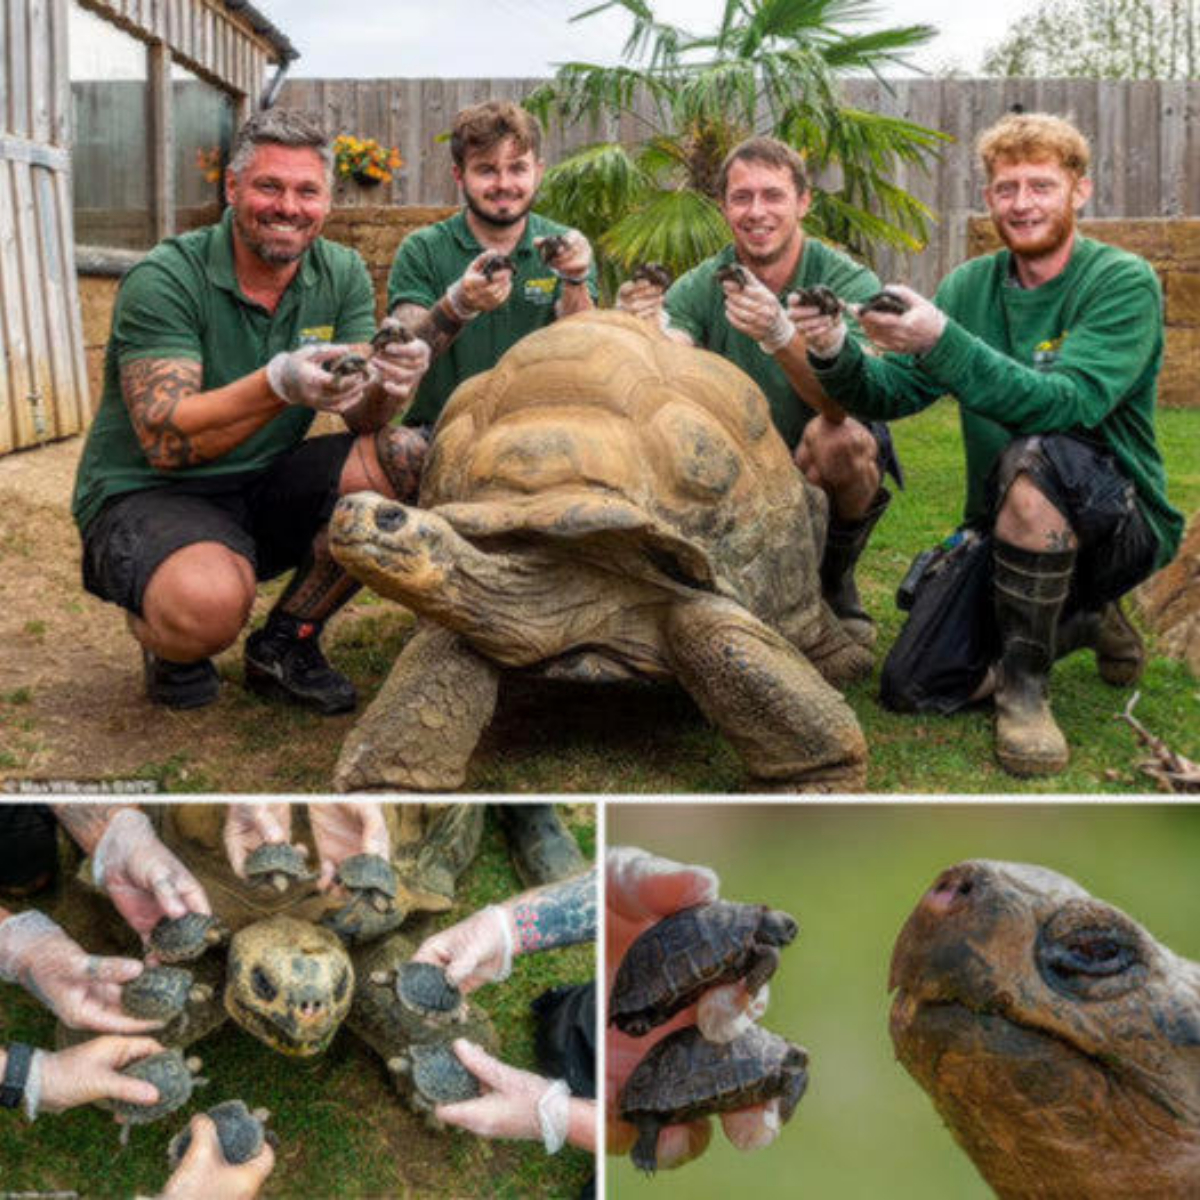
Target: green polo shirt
[
  {"x": 696, "y": 304},
  {"x": 183, "y": 301},
  {"x": 431, "y": 259},
  {"x": 1080, "y": 353}
]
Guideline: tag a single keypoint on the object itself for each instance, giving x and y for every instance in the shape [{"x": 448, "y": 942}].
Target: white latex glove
[
  {"x": 514, "y": 1104},
  {"x": 399, "y": 367},
  {"x": 83, "y": 990},
  {"x": 248, "y": 826},
  {"x": 823, "y": 333},
  {"x": 643, "y": 299},
  {"x": 142, "y": 878},
  {"x": 88, "y": 1072},
  {"x": 916, "y": 331},
  {"x": 475, "y": 292},
  {"x": 203, "y": 1173},
  {"x": 476, "y": 951},
  {"x": 299, "y": 377},
  {"x": 755, "y": 311},
  {"x": 574, "y": 260},
  {"x": 343, "y": 829}
]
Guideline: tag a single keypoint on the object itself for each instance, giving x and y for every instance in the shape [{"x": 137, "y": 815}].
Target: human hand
[
  {"x": 574, "y": 259},
  {"x": 642, "y": 889},
  {"x": 248, "y": 826},
  {"x": 643, "y": 299},
  {"x": 300, "y": 377},
  {"x": 473, "y": 952},
  {"x": 204, "y": 1174},
  {"x": 824, "y": 333},
  {"x": 345, "y": 828},
  {"x": 514, "y": 1104},
  {"x": 92, "y": 1071},
  {"x": 753, "y": 309},
  {"x": 479, "y": 290},
  {"x": 915, "y": 331},
  {"x": 399, "y": 367},
  {"x": 83, "y": 990},
  {"x": 142, "y": 878}
]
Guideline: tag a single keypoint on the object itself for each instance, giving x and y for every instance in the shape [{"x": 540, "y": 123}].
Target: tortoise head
[
  {"x": 1058, "y": 1039},
  {"x": 289, "y": 983},
  {"x": 777, "y": 927}
]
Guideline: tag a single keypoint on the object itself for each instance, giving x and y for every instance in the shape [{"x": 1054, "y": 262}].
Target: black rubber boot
[
  {"x": 28, "y": 850},
  {"x": 180, "y": 685},
  {"x": 1120, "y": 651},
  {"x": 284, "y": 659},
  {"x": 1030, "y": 589},
  {"x": 844, "y": 544},
  {"x": 542, "y": 848}
]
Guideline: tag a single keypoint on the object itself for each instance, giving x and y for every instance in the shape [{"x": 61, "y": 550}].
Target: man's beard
[
  {"x": 1055, "y": 233},
  {"x": 272, "y": 256},
  {"x": 501, "y": 220}
]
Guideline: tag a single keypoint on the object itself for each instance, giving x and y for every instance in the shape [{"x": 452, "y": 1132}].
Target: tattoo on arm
[
  {"x": 153, "y": 389},
  {"x": 86, "y": 822},
  {"x": 561, "y": 914},
  {"x": 437, "y": 327}
]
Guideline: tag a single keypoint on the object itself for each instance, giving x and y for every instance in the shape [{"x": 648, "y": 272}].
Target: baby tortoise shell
[
  {"x": 173, "y": 1075},
  {"x": 551, "y": 246},
  {"x": 181, "y": 939},
  {"x": 161, "y": 993},
  {"x": 371, "y": 910},
  {"x": 654, "y": 273},
  {"x": 434, "y": 1075},
  {"x": 685, "y": 1077},
  {"x": 823, "y": 299},
  {"x": 495, "y": 263},
  {"x": 887, "y": 301},
  {"x": 278, "y": 865},
  {"x": 733, "y": 273},
  {"x": 240, "y": 1132},
  {"x": 424, "y": 988},
  {"x": 372, "y": 875},
  {"x": 684, "y": 955}
]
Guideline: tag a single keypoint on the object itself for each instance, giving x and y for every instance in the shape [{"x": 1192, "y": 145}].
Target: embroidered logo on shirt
[
  {"x": 316, "y": 335},
  {"x": 540, "y": 291},
  {"x": 1046, "y": 354}
]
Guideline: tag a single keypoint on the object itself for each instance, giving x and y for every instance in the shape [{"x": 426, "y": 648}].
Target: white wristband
[
  {"x": 553, "y": 1115},
  {"x": 33, "y": 1085},
  {"x": 16, "y": 933},
  {"x": 118, "y": 821},
  {"x": 781, "y": 332},
  {"x": 505, "y": 968}
]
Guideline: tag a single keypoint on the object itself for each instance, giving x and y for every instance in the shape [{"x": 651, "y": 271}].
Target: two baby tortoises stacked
[{"x": 684, "y": 1076}]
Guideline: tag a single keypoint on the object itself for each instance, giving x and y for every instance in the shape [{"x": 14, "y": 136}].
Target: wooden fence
[{"x": 1145, "y": 139}]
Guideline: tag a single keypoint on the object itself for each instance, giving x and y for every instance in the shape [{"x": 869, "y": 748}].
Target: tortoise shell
[
  {"x": 438, "y": 1076},
  {"x": 181, "y": 939},
  {"x": 424, "y": 988},
  {"x": 171, "y": 1073},
  {"x": 157, "y": 994},
  {"x": 240, "y": 1132}
]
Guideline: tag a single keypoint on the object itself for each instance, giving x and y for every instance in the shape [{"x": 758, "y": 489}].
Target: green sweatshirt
[{"x": 1080, "y": 353}]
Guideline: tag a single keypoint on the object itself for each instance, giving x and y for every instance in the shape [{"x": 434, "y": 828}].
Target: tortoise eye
[
  {"x": 264, "y": 989},
  {"x": 1092, "y": 963}
]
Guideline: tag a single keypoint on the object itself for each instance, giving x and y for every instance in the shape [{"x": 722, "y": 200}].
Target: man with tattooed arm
[{"x": 197, "y": 480}]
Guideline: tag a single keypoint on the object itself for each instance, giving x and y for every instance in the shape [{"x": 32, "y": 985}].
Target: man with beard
[
  {"x": 474, "y": 284},
  {"x": 196, "y": 480},
  {"x": 765, "y": 195},
  {"x": 1052, "y": 348}
]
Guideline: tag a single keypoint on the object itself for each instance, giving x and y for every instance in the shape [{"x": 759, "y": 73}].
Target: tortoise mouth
[{"x": 313, "y": 1042}]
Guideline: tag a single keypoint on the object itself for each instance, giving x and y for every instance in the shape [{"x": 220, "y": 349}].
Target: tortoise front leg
[
  {"x": 791, "y": 728},
  {"x": 420, "y": 730},
  {"x": 763, "y": 964}
]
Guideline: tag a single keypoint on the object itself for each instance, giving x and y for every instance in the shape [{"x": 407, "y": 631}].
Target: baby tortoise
[
  {"x": 685, "y": 1077},
  {"x": 431, "y": 1074},
  {"x": 372, "y": 909},
  {"x": 181, "y": 939},
  {"x": 733, "y": 273},
  {"x": 653, "y": 273},
  {"x": 390, "y": 332},
  {"x": 240, "y": 1132},
  {"x": 551, "y": 246},
  {"x": 278, "y": 865},
  {"x": 684, "y": 955},
  {"x": 497, "y": 262},
  {"x": 162, "y": 993},
  {"x": 820, "y": 297},
  {"x": 887, "y": 301},
  {"x": 171, "y": 1073},
  {"x": 424, "y": 990}
]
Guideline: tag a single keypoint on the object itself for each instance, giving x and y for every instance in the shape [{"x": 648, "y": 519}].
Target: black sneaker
[
  {"x": 180, "y": 685},
  {"x": 284, "y": 659}
]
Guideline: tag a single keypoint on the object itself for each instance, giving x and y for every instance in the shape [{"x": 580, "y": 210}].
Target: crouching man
[{"x": 196, "y": 480}]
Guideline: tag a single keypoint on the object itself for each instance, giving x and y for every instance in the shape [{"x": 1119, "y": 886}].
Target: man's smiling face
[
  {"x": 763, "y": 210},
  {"x": 280, "y": 201},
  {"x": 1033, "y": 204}
]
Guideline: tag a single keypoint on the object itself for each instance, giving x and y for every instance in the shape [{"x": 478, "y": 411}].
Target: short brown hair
[
  {"x": 1034, "y": 137},
  {"x": 770, "y": 151},
  {"x": 484, "y": 126}
]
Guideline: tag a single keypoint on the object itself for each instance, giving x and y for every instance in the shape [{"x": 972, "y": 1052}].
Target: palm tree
[{"x": 772, "y": 66}]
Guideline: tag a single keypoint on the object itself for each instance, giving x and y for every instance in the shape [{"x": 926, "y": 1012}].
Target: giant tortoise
[
  {"x": 605, "y": 504},
  {"x": 1059, "y": 1041}
]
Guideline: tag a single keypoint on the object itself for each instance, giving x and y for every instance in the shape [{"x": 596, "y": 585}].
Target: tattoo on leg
[
  {"x": 320, "y": 586},
  {"x": 153, "y": 388},
  {"x": 401, "y": 454},
  {"x": 561, "y": 914},
  {"x": 1060, "y": 539}
]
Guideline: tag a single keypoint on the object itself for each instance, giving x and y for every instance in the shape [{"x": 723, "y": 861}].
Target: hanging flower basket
[{"x": 364, "y": 161}]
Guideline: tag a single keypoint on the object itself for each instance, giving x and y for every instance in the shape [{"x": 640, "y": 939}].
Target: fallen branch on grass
[{"x": 1172, "y": 772}]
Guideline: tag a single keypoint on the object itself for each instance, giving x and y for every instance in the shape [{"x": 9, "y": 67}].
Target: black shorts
[
  {"x": 269, "y": 518},
  {"x": 1082, "y": 479}
]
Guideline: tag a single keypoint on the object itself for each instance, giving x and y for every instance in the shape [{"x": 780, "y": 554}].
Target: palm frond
[
  {"x": 678, "y": 228},
  {"x": 593, "y": 188}
]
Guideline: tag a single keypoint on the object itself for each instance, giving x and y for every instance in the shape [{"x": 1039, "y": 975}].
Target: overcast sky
[{"x": 491, "y": 38}]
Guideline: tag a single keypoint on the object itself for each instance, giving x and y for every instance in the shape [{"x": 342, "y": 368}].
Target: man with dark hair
[
  {"x": 1052, "y": 348},
  {"x": 196, "y": 480},
  {"x": 740, "y": 315},
  {"x": 474, "y": 284}
]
